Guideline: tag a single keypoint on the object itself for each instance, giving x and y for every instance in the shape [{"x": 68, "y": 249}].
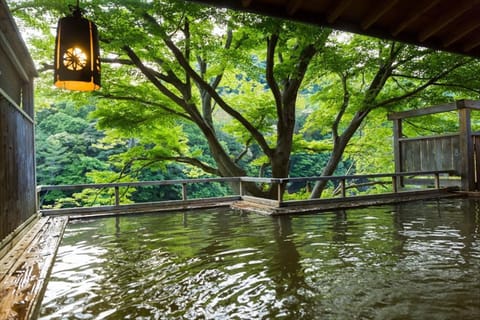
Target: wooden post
[
  {"x": 397, "y": 151},
  {"x": 184, "y": 191},
  {"x": 37, "y": 200},
  {"x": 240, "y": 187},
  {"x": 466, "y": 148},
  {"x": 476, "y": 150},
  {"x": 395, "y": 184},
  {"x": 437, "y": 180},
  {"x": 280, "y": 189},
  {"x": 117, "y": 196},
  {"x": 342, "y": 187}
]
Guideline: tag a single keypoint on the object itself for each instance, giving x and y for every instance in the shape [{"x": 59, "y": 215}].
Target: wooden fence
[
  {"x": 431, "y": 153},
  {"x": 344, "y": 184},
  {"x": 458, "y": 151}
]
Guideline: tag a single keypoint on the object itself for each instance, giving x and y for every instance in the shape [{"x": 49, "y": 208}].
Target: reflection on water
[{"x": 412, "y": 261}]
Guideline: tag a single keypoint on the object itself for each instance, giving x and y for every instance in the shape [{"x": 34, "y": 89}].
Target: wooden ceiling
[{"x": 449, "y": 25}]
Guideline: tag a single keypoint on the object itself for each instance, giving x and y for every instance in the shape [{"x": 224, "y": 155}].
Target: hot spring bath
[{"x": 419, "y": 260}]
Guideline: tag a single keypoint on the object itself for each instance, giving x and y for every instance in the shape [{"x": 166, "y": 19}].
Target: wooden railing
[{"x": 281, "y": 184}]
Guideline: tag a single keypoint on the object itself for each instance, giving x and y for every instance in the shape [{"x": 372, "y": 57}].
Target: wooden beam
[
  {"x": 423, "y": 111},
  {"x": 337, "y": 10},
  {"x": 445, "y": 20},
  {"x": 163, "y": 206},
  {"x": 147, "y": 183},
  {"x": 14, "y": 46},
  {"x": 471, "y": 104},
  {"x": 461, "y": 32},
  {"x": 416, "y": 14},
  {"x": 472, "y": 44},
  {"x": 246, "y": 3},
  {"x": 376, "y": 14},
  {"x": 292, "y": 6}
]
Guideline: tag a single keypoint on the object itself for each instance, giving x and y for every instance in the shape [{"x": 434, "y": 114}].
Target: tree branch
[
  {"x": 146, "y": 102},
  {"x": 188, "y": 80},
  {"x": 116, "y": 60},
  {"x": 191, "y": 161},
  {"x": 211, "y": 91},
  {"x": 152, "y": 77},
  {"x": 343, "y": 107},
  {"x": 272, "y": 83},
  {"x": 244, "y": 152},
  {"x": 430, "y": 82},
  {"x": 456, "y": 85}
]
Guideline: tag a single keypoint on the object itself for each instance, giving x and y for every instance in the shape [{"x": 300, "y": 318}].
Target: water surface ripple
[{"x": 412, "y": 261}]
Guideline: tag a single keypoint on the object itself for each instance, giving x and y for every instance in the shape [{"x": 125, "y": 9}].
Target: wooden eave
[
  {"x": 13, "y": 45},
  {"x": 446, "y": 25}
]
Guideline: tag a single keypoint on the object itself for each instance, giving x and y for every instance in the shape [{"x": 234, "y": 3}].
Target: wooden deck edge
[
  {"x": 24, "y": 271},
  {"x": 257, "y": 205},
  {"x": 472, "y": 194},
  {"x": 13, "y": 238},
  {"x": 321, "y": 205},
  {"x": 170, "y": 206}
]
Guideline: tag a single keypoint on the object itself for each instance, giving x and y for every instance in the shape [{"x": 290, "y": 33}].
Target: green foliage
[
  {"x": 66, "y": 145},
  {"x": 66, "y": 149},
  {"x": 195, "y": 91}
]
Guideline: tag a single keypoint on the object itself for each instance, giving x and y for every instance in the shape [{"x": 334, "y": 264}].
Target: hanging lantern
[{"x": 77, "y": 54}]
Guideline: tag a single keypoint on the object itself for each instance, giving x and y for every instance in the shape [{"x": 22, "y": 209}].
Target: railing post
[
  {"x": 240, "y": 186},
  {"x": 466, "y": 146},
  {"x": 117, "y": 196},
  {"x": 280, "y": 189},
  {"x": 394, "y": 184},
  {"x": 437, "y": 180},
  {"x": 342, "y": 188},
  {"x": 38, "y": 200},
  {"x": 184, "y": 191}
]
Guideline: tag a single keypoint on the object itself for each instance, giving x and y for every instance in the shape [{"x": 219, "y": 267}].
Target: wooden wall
[
  {"x": 17, "y": 169},
  {"x": 17, "y": 152}
]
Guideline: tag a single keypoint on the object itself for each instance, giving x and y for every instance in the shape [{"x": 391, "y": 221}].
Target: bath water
[{"x": 419, "y": 260}]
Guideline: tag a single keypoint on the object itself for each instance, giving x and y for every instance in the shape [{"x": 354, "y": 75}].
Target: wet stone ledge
[{"x": 25, "y": 269}]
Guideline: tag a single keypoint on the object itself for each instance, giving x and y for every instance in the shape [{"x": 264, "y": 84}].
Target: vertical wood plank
[
  {"x": 17, "y": 169},
  {"x": 466, "y": 148}
]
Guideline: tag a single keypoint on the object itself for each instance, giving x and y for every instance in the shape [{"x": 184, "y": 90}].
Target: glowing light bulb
[{"x": 74, "y": 59}]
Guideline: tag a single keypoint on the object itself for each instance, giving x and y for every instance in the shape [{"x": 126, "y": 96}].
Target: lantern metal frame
[{"x": 77, "y": 53}]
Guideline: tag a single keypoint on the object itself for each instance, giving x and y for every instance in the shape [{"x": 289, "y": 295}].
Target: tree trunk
[
  {"x": 339, "y": 146},
  {"x": 280, "y": 166},
  {"x": 226, "y": 166}
]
